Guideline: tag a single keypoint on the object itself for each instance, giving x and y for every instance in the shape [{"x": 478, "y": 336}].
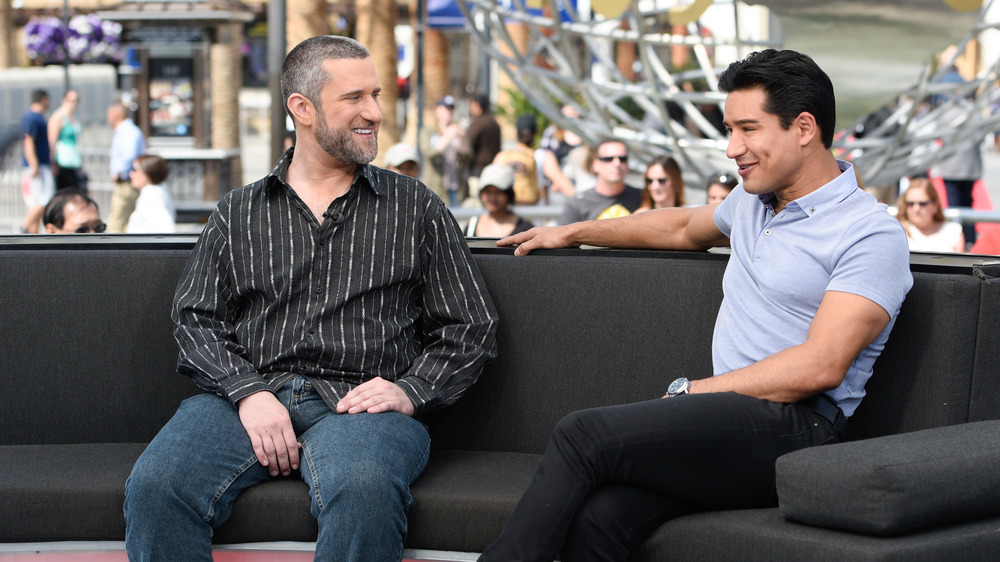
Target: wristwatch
[{"x": 678, "y": 387}]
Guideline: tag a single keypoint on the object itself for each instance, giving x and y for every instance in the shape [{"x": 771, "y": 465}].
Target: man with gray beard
[{"x": 325, "y": 309}]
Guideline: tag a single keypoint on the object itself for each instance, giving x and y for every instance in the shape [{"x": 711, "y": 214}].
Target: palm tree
[
  {"x": 305, "y": 19},
  {"x": 435, "y": 76},
  {"x": 520, "y": 37},
  {"x": 6, "y": 32},
  {"x": 376, "y": 25}
]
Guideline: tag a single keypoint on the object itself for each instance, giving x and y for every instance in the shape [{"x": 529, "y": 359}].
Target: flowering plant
[{"x": 87, "y": 38}]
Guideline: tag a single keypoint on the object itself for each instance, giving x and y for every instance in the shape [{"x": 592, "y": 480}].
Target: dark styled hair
[
  {"x": 303, "y": 71},
  {"x": 38, "y": 96},
  {"x": 55, "y": 211},
  {"x": 792, "y": 83},
  {"x": 153, "y": 166}
]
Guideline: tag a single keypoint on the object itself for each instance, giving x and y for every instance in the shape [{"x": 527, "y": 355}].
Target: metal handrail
[{"x": 198, "y": 211}]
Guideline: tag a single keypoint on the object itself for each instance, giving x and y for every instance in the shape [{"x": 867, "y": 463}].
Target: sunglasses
[
  {"x": 921, "y": 204},
  {"x": 88, "y": 228},
  {"x": 651, "y": 181},
  {"x": 623, "y": 158}
]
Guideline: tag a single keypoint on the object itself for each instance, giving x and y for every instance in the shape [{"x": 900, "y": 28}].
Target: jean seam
[
  {"x": 419, "y": 467},
  {"x": 225, "y": 487},
  {"x": 317, "y": 495}
]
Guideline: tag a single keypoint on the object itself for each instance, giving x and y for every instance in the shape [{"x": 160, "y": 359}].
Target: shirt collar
[
  {"x": 366, "y": 174},
  {"x": 826, "y": 196}
]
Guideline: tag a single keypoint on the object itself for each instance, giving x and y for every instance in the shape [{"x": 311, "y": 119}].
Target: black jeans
[{"x": 610, "y": 476}]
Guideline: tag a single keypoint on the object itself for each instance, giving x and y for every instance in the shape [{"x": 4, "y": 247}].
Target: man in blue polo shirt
[{"x": 817, "y": 275}]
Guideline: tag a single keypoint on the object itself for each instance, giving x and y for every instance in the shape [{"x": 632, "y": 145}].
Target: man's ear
[
  {"x": 301, "y": 109},
  {"x": 806, "y": 126}
]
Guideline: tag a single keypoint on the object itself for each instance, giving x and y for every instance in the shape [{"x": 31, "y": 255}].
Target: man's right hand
[
  {"x": 539, "y": 237},
  {"x": 270, "y": 429}
]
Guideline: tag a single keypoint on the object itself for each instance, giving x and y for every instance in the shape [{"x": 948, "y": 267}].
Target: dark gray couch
[{"x": 87, "y": 374}]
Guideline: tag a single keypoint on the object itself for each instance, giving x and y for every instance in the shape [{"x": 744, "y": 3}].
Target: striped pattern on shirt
[{"x": 385, "y": 286}]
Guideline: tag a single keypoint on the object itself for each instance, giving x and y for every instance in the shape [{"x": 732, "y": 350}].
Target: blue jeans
[{"x": 358, "y": 467}]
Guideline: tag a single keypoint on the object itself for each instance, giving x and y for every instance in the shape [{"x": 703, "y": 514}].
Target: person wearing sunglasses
[
  {"x": 664, "y": 185},
  {"x": 610, "y": 197},
  {"x": 927, "y": 230},
  {"x": 72, "y": 212},
  {"x": 720, "y": 185}
]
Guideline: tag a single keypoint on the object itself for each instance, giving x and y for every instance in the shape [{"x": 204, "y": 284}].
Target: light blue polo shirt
[{"x": 837, "y": 238}]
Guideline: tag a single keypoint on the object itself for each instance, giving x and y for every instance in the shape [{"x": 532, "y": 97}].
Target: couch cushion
[
  {"x": 460, "y": 503},
  {"x": 748, "y": 535},
  {"x": 895, "y": 484},
  {"x": 64, "y": 492},
  {"x": 463, "y": 499}
]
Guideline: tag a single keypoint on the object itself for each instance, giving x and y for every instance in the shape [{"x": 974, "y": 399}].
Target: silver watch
[{"x": 678, "y": 387}]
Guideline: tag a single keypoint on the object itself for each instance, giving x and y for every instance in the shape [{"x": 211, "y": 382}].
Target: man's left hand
[{"x": 374, "y": 397}]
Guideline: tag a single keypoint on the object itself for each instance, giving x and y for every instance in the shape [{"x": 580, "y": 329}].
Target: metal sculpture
[{"x": 569, "y": 58}]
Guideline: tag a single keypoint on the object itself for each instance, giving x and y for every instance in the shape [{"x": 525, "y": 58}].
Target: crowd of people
[
  {"x": 556, "y": 168},
  {"x": 591, "y": 182},
  {"x": 585, "y": 182},
  {"x": 55, "y": 185}
]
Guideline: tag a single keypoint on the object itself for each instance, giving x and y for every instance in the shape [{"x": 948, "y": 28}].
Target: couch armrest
[{"x": 895, "y": 484}]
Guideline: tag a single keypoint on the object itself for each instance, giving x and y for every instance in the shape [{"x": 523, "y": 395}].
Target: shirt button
[
  {"x": 319, "y": 290},
  {"x": 812, "y": 209},
  {"x": 312, "y": 330},
  {"x": 767, "y": 232}
]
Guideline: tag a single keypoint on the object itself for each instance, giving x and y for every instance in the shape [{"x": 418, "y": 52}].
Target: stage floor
[{"x": 262, "y": 552}]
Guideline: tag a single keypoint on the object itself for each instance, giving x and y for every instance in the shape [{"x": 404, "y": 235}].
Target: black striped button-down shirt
[{"x": 385, "y": 286}]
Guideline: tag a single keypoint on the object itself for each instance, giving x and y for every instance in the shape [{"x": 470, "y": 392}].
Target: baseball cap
[
  {"x": 498, "y": 176},
  {"x": 447, "y": 101},
  {"x": 399, "y": 153}
]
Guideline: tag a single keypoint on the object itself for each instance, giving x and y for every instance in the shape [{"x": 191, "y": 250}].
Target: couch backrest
[
  {"x": 88, "y": 354},
  {"x": 88, "y": 351},
  {"x": 583, "y": 329},
  {"x": 925, "y": 376},
  {"x": 580, "y": 331}
]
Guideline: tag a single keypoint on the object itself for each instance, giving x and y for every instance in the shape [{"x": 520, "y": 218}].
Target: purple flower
[{"x": 87, "y": 39}]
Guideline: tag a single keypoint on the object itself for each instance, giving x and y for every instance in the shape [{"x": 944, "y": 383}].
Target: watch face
[{"x": 679, "y": 386}]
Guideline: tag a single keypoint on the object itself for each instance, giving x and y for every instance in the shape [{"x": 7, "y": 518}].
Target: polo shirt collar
[{"x": 827, "y": 196}]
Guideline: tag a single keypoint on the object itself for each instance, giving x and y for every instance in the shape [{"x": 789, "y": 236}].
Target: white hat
[
  {"x": 497, "y": 175},
  {"x": 399, "y": 153}
]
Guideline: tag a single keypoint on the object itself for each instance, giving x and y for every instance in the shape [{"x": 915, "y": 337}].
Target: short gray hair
[{"x": 303, "y": 72}]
